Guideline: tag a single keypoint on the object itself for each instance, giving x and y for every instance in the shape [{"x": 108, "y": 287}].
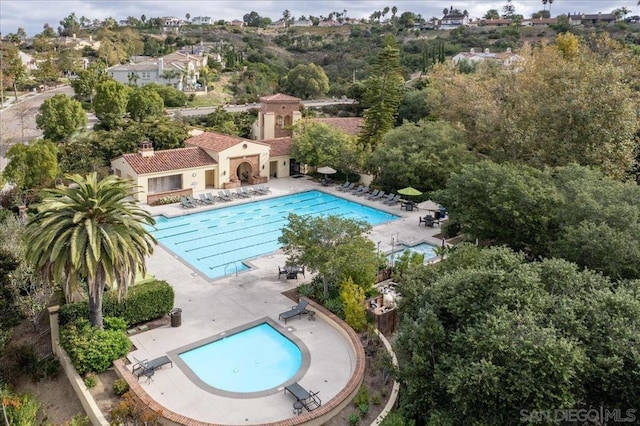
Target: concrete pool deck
[{"x": 211, "y": 307}]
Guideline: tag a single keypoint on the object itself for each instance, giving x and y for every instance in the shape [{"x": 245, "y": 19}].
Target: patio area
[{"x": 212, "y": 307}]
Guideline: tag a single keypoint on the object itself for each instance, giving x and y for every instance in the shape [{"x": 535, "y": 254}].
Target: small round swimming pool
[{"x": 253, "y": 360}]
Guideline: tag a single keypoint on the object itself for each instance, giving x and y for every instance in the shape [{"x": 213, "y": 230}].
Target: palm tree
[
  {"x": 91, "y": 230},
  {"x": 544, "y": 4},
  {"x": 550, "y": 2}
]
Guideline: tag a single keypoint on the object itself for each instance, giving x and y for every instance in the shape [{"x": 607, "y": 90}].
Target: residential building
[
  {"x": 453, "y": 21},
  {"x": 236, "y": 23},
  {"x": 180, "y": 70},
  {"x": 506, "y": 58},
  {"x": 592, "y": 19},
  {"x": 202, "y": 20},
  {"x": 280, "y": 23},
  {"x": 495, "y": 22},
  {"x": 329, "y": 23},
  {"x": 539, "y": 22},
  {"x": 302, "y": 23}
]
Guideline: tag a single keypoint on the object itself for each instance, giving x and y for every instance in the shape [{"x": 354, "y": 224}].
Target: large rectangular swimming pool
[{"x": 216, "y": 242}]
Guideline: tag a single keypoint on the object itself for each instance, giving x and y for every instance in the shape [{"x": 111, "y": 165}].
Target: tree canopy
[
  {"x": 110, "y": 103},
  {"x": 486, "y": 334},
  {"x": 144, "y": 102},
  {"x": 60, "y": 116},
  {"x": 318, "y": 145},
  {"x": 422, "y": 155},
  {"x": 306, "y": 81},
  {"x": 568, "y": 102},
  {"x": 32, "y": 166},
  {"x": 329, "y": 246}
]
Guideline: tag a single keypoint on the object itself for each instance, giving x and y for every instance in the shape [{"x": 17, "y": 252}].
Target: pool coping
[{"x": 174, "y": 354}]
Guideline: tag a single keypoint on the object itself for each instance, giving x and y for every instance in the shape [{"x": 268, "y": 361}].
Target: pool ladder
[{"x": 231, "y": 263}]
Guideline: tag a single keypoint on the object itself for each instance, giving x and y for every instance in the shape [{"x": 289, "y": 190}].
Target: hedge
[{"x": 144, "y": 302}]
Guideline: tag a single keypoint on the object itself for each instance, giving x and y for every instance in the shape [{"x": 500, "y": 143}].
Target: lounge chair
[
  {"x": 343, "y": 186},
  {"x": 211, "y": 197},
  {"x": 298, "y": 310},
  {"x": 228, "y": 194},
  {"x": 392, "y": 201},
  {"x": 310, "y": 400},
  {"x": 358, "y": 189},
  {"x": 224, "y": 197},
  {"x": 389, "y": 198},
  {"x": 380, "y": 195},
  {"x": 264, "y": 188},
  {"x": 193, "y": 200},
  {"x": 186, "y": 204},
  {"x": 205, "y": 200},
  {"x": 241, "y": 193},
  {"x": 246, "y": 192},
  {"x": 146, "y": 368},
  {"x": 373, "y": 194},
  {"x": 347, "y": 188},
  {"x": 362, "y": 192}
]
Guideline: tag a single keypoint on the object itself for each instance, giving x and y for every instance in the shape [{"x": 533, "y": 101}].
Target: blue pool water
[
  {"x": 252, "y": 360},
  {"x": 423, "y": 248},
  {"x": 215, "y": 242}
]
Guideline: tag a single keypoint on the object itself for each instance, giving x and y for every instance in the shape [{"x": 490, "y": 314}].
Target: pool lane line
[
  {"x": 226, "y": 242},
  {"x": 232, "y": 251}
]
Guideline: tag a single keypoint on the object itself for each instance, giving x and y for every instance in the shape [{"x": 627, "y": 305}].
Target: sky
[{"x": 33, "y": 14}]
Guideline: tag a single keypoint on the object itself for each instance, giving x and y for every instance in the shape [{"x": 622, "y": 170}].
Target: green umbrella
[{"x": 409, "y": 191}]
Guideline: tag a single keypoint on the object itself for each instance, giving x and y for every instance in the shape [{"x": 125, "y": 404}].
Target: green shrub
[
  {"x": 166, "y": 200},
  {"x": 363, "y": 409},
  {"x": 120, "y": 386},
  {"x": 90, "y": 380},
  {"x": 91, "y": 349},
  {"x": 354, "y": 419},
  {"x": 21, "y": 410},
  {"x": 115, "y": 323},
  {"x": 393, "y": 419},
  {"x": 362, "y": 397},
  {"x": 335, "y": 306},
  {"x": 375, "y": 399},
  {"x": 306, "y": 290},
  {"x": 145, "y": 302},
  {"x": 78, "y": 420}
]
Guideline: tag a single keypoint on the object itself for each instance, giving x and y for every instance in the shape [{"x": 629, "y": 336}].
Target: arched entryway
[{"x": 244, "y": 172}]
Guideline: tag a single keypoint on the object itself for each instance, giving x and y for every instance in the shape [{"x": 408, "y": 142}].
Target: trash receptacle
[{"x": 176, "y": 317}]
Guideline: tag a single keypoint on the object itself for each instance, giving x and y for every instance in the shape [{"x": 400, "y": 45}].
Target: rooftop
[{"x": 170, "y": 159}]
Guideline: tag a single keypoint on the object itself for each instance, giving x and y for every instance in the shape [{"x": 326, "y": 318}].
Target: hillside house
[
  {"x": 453, "y": 21},
  {"x": 201, "y": 20},
  {"x": 539, "y": 22},
  {"x": 507, "y": 58},
  {"x": 592, "y": 19},
  {"x": 180, "y": 70},
  {"x": 495, "y": 22}
]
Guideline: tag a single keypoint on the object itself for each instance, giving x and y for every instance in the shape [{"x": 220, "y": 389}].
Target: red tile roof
[
  {"x": 279, "y": 97},
  {"x": 216, "y": 142},
  {"x": 170, "y": 159},
  {"x": 349, "y": 125},
  {"x": 279, "y": 146}
]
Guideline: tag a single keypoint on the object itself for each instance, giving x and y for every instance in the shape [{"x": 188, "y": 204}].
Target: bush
[
  {"x": 166, "y": 200},
  {"x": 91, "y": 349},
  {"x": 90, "y": 380},
  {"x": 354, "y": 419},
  {"x": 21, "y": 410},
  {"x": 363, "y": 409},
  {"x": 375, "y": 399},
  {"x": 335, "y": 306},
  {"x": 171, "y": 96},
  {"x": 120, "y": 386},
  {"x": 393, "y": 419},
  {"x": 145, "y": 302},
  {"x": 362, "y": 397}
]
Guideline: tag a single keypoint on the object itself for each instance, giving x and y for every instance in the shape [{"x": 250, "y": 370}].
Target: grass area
[{"x": 219, "y": 96}]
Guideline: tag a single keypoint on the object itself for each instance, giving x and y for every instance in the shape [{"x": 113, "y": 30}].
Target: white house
[
  {"x": 453, "y": 21},
  {"x": 201, "y": 20},
  {"x": 507, "y": 58},
  {"x": 180, "y": 70}
]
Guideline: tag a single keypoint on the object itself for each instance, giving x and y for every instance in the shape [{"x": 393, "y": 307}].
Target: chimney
[
  {"x": 146, "y": 149},
  {"x": 160, "y": 66}
]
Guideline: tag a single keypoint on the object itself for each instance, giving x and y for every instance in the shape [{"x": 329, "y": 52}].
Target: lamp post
[{"x": 379, "y": 248}]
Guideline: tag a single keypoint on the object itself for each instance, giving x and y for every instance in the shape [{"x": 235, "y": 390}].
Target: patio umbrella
[
  {"x": 409, "y": 191},
  {"x": 429, "y": 206},
  {"x": 326, "y": 170}
]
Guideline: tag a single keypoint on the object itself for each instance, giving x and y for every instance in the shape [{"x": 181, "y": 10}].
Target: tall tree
[
  {"x": 33, "y": 165},
  {"x": 307, "y": 81},
  {"x": 60, "y": 117},
  {"x": 144, "y": 102},
  {"x": 319, "y": 145},
  {"x": 492, "y": 14},
  {"x": 383, "y": 93},
  {"x": 13, "y": 70},
  {"x": 110, "y": 103},
  {"x": 328, "y": 245},
  {"x": 91, "y": 231},
  {"x": 88, "y": 79}
]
